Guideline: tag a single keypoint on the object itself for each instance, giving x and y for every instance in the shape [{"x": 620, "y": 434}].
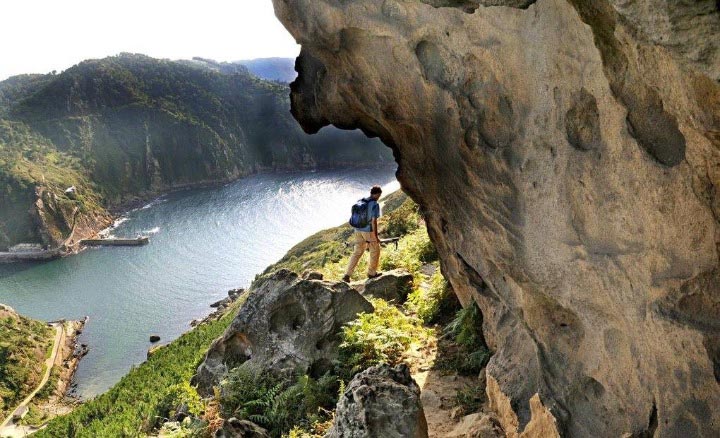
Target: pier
[
  {"x": 138, "y": 241},
  {"x": 30, "y": 256}
]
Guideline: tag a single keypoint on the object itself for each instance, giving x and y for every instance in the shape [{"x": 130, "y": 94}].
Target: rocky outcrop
[
  {"x": 234, "y": 428},
  {"x": 286, "y": 325},
  {"x": 380, "y": 402},
  {"x": 566, "y": 156},
  {"x": 390, "y": 286}
]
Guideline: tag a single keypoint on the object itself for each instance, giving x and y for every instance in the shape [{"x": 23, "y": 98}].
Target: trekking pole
[{"x": 394, "y": 240}]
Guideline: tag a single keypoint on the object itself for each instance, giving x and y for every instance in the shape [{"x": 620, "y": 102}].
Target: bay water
[{"x": 204, "y": 242}]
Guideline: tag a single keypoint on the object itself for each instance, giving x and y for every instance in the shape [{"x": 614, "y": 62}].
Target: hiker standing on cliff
[{"x": 365, "y": 214}]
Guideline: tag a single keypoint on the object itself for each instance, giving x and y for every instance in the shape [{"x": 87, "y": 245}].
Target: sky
[{"x": 39, "y": 36}]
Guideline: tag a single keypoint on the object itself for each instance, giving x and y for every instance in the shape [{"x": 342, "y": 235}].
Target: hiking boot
[
  {"x": 346, "y": 278},
  {"x": 377, "y": 274}
]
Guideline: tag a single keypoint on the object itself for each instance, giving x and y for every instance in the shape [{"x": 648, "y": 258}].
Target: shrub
[
  {"x": 179, "y": 396},
  {"x": 471, "y": 353},
  {"x": 413, "y": 251},
  {"x": 277, "y": 403},
  {"x": 432, "y": 304},
  {"x": 403, "y": 220},
  {"x": 382, "y": 336}
]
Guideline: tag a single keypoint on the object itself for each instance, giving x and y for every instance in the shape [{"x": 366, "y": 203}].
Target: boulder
[
  {"x": 234, "y": 428},
  {"x": 380, "y": 402},
  {"x": 234, "y": 293},
  {"x": 154, "y": 338},
  {"x": 312, "y": 275},
  {"x": 390, "y": 286},
  {"x": 221, "y": 303},
  {"x": 286, "y": 325},
  {"x": 566, "y": 157}
]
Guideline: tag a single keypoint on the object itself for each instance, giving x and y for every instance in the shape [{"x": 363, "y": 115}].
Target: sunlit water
[{"x": 203, "y": 243}]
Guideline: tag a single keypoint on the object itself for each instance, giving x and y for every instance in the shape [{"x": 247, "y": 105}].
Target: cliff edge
[{"x": 566, "y": 155}]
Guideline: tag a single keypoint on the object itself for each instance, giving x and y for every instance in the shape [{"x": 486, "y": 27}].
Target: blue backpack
[{"x": 359, "y": 217}]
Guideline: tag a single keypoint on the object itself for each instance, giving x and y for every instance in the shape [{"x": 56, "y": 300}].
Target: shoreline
[
  {"x": 52, "y": 397},
  {"x": 72, "y": 352},
  {"x": 117, "y": 212}
]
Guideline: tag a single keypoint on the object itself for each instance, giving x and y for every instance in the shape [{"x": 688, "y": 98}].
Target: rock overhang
[{"x": 565, "y": 159}]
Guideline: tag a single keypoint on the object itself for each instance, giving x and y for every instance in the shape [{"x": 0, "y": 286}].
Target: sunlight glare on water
[{"x": 203, "y": 243}]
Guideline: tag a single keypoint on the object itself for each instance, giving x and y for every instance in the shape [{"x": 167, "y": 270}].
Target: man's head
[{"x": 376, "y": 192}]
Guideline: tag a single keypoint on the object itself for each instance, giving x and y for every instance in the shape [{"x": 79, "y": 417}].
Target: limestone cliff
[{"x": 567, "y": 156}]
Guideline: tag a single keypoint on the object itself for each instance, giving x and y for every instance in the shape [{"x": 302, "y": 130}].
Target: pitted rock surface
[
  {"x": 567, "y": 159},
  {"x": 287, "y": 325},
  {"x": 380, "y": 402}
]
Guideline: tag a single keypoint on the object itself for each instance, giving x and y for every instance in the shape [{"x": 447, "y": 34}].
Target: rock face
[
  {"x": 566, "y": 155},
  {"x": 380, "y": 402},
  {"x": 390, "y": 286},
  {"x": 286, "y": 325}
]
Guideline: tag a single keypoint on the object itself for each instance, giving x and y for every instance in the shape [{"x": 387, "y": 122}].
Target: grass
[
  {"x": 23, "y": 349},
  {"x": 143, "y": 398},
  {"x": 436, "y": 303},
  {"x": 464, "y": 349}
]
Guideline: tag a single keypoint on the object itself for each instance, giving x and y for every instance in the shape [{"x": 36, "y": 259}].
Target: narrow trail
[{"x": 7, "y": 429}]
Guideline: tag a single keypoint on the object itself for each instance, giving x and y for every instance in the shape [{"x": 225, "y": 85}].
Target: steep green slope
[
  {"x": 24, "y": 346},
  {"x": 144, "y": 399},
  {"x": 33, "y": 178},
  {"x": 131, "y": 126},
  {"x": 138, "y": 402}
]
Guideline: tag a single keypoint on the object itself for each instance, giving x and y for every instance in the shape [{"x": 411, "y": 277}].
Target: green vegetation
[
  {"x": 278, "y": 404},
  {"x": 297, "y": 406},
  {"x": 131, "y": 126},
  {"x": 468, "y": 353},
  {"x": 382, "y": 336},
  {"x": 27, "y": 161},
  {"x": 146, "y": 395},
  {"x": 434, "y": 304},
  {"x": 24, "y": 346}
]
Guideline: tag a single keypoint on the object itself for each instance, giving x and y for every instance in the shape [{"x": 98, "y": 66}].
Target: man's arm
[{"x": 375, "y": 229}]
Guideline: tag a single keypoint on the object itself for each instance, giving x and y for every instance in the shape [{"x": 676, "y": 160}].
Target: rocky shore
[{"x": 72, "y": 351}]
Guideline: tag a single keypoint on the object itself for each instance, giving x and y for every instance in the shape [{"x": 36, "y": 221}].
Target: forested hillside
[{"x": 131, "y": 126}]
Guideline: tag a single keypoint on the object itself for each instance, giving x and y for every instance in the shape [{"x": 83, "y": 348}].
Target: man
[{"x": 367, "y": 237}]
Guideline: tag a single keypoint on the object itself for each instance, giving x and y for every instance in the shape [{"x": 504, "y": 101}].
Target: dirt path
[
  {"x": 438, "y": 390},
  {"x": 11, "y": 430}
]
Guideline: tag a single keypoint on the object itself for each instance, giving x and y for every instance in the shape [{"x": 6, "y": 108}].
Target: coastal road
[{"x": 7, "y": 429}]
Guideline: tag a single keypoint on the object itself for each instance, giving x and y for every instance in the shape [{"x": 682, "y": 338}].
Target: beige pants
[{"x": 363, "y": 240}]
